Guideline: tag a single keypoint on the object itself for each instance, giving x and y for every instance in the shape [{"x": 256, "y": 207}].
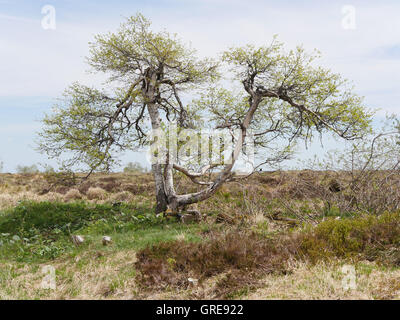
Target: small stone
[
  {"x": 106, "y": 240},
  {"x": 77, "y": 240}
]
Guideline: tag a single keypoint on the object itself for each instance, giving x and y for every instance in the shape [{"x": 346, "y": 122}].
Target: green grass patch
[{"x": 41, "y": 231}]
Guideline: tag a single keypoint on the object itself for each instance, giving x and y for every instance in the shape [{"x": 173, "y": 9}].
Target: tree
[
  {"x": 27, "y": 169},
  {"x": 371, "y": 180},
  {"x": 280, "y": 96},
  {"x": 134, "y": 167}
]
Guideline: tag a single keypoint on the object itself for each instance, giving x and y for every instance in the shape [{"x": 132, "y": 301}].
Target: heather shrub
[
  {"x": 171, "y": 263},
  {"x": 368, "y": 236},
  {"x": 247, "y": 256}
]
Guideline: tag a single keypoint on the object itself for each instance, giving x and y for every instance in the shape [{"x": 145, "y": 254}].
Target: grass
[
  {"x": 151, "y": 258},
  {"x": 37, "y": 232},
  {"x": 248, "y": 255}
]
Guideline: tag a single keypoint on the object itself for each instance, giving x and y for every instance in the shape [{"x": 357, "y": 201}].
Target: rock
[
  {"x": 106, "y": 240},
  {"x": 77, "y": 240}
]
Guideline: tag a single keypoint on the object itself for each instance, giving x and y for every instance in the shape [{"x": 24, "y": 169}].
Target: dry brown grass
[
  {"x": 8, "y": 200},
  {"x": 90, "y": 276},
  {"x": 306, "y": 194},
  {"x": 96, "y": 194},
  {"x": 113, "y": 276},
  {"x": 73, "y": 194},
  {"x": 225, "y": 267},
  {"x": 122, "y": 196},
  {"x": 324, "y": 281}
]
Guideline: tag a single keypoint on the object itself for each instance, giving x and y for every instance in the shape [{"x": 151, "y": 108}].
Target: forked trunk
[{"x": 163, "y": 174}]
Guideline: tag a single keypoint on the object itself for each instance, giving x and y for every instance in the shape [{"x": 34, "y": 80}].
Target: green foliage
[
  {"x": 77, "y": 125},
  {"x": 55, "y": 219},
  {"x": 298, "y": 90},
  {"x": 135, "y": 47},
  {"x": 95, "y": 124}
]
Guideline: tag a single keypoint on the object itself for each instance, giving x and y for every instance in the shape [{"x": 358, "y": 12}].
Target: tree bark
[
  {"x": 149, "y": 90},
  {"x": 161, "y": 198}
]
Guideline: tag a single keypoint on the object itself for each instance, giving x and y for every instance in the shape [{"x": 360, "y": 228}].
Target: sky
[{"x": 359, "y": 39}]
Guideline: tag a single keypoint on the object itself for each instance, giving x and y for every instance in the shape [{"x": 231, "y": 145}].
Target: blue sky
[{"x": 37, "y": 64}]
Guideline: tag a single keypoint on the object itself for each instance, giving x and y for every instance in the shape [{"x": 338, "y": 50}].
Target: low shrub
[
  {"x": 171, "y": 263},
  {"x": 248, "y": 255},
  {"x": 369, "y": 236}
]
